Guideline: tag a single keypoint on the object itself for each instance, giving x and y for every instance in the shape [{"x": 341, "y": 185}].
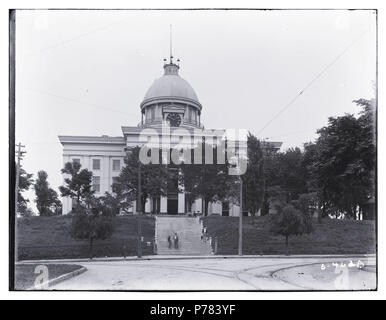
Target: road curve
[{"x": 224, "y": 274}]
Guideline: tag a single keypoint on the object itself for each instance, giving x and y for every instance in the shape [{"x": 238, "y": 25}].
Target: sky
[{"x": 85, "y": 72}]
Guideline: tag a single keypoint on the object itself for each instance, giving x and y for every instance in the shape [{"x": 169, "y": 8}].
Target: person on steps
[{"x": 175, "y": 238}]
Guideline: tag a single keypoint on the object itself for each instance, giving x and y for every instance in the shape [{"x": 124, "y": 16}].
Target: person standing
[{"x": 175, "y": 238}]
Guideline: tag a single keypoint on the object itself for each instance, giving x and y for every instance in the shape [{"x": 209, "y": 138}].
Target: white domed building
[{"x": 170, "y": 108}]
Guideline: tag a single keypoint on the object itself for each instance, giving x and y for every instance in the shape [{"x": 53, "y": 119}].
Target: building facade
[{"x": 170, "y": 118}]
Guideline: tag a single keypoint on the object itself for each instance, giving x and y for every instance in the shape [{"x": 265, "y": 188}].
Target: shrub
[
  {"x": 91, "y": 227},
  {"x": 290, "y": 221}
]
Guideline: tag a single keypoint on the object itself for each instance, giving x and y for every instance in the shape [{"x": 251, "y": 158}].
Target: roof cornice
[
  {"x": 170, "y": 99},
  {"x": 91, "y": 140}
]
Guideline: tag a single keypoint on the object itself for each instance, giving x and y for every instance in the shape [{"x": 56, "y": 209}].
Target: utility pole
[
  {"x": 19, "y": 155},
  {"x": 139, "y": 235},
  {"x": 241, "y": 218},
  {"x": 263, "y": 149}
]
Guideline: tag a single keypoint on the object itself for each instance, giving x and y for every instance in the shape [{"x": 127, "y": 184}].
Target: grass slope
[
  {"x": 330, "y": 237},
  {"x": 49, "y": 238}
]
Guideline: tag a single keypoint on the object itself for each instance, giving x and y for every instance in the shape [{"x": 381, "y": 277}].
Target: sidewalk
[{"x": 174, "y": 257}]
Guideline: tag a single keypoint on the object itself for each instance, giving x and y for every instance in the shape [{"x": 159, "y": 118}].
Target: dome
[{"x": 171, "y": 85}]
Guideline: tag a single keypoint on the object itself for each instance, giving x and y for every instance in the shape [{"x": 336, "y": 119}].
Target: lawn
[
  {"x": 25, "y": 274},
  {"x": 330, "y": 237},
  {"x": 49, "y": 238}
]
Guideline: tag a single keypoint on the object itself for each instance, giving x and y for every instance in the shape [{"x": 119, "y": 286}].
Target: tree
[
  {"x": 290, "y": 174},
  {"x": 111, "y": 204},
  {"x": 342, "y": 162},
  {"x": 78, "y": 182},
  {"x": 367, "y": 120},
  {"x": 211, "y": 182},
  {"x": 46, "y": 198},
  {"x": 290, "y": 221},
  {"x": 153, "y": 179},
  {"x": 286, "y": 177},
  {"x": 27, "y": 212},
  {"x": 91, "y": 227},
  {"x": 307, "y": 204},
  {"x": 25, "y": 181},
  {"x": 253, "y": 179}
]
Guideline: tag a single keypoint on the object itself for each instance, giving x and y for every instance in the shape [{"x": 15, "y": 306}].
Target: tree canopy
[
  {"x": 342, "y": 162},
  {"x": 153, "y": 179},
  {"x": 209, "y": 181},
  {"x": 253, "y": 179},
  {"x": 25, "y": 181},
  {"x": 290, "y": 221},
  {"x": 46, "y": 200},
  {"x": 91, "y": 227},
  {"x": 77, "y": 182}
]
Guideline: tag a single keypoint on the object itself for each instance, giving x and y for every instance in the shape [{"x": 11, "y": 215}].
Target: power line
[
  {"x": 53, "y": 46},
  {"x": 313, "y": 80},
  {"x": 81, "y": 102}
]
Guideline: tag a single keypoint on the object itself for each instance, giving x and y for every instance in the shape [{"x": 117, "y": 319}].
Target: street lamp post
[
  {"x": 241, "y": 218},
  {"x": 139, "y": 229},
  {"x": 240, "y": 245}
]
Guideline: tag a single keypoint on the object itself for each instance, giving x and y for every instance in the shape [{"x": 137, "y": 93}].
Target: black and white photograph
[{"x": 193, "y": 150}]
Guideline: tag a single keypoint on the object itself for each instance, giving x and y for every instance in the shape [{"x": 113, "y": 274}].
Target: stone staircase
[{"x": 189, "y": 231}]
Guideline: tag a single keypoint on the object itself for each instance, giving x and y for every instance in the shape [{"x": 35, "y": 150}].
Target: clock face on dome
[{"x": 173, "y": 119}]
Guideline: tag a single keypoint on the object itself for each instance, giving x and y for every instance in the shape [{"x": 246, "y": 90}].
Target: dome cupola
[{"x": 171, "y": 100}]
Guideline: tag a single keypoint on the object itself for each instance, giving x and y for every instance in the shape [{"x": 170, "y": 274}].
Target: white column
[
  {"x": 234, "y": 210},
  {"x": 198, "y": 205},
  {"x": 219, "y": 206},
  {"x": 164, "y": 205},
  {"x": 181, "y": 202},
  {"x": 147, "y": 205},
  {"x": 193, "y": 206},
  {"x": 215, "y": 207}
]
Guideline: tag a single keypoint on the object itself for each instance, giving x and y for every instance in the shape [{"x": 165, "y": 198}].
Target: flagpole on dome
[{"x": 171, "y": 45}]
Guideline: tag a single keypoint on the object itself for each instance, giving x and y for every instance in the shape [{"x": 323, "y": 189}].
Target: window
[
  {"x": 96, "y": 164},
  {"x": 115, "y": 180},
  {"x": 116, "y": 165},
  {"x": 152, "y": 113},
  {"x": 76, "y": 161},
  {"x": 96, "y": 183}
]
